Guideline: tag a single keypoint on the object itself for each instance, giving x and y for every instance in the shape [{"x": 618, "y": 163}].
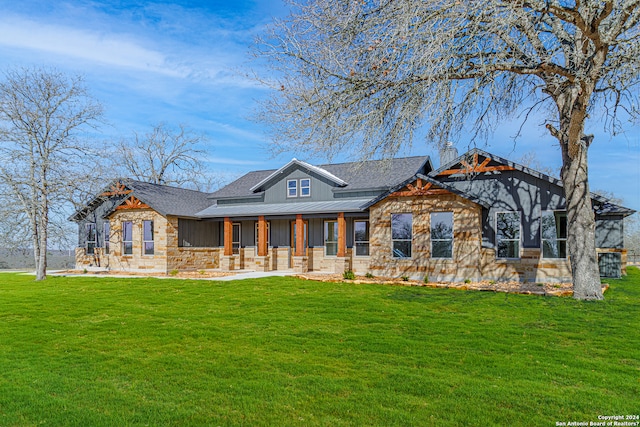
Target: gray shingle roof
[
  {"x": 372, "y": 174},
  {"x": 167, "y": 200}
]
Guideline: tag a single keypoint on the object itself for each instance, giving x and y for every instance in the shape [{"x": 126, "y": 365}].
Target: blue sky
[{"x": 182, "y": 62}]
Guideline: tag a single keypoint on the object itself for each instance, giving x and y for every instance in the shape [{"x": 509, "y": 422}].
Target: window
[
  {"x": 107, "y": 237},
  {"x": 268, "y": 234},
  {"x": 508, "y": 234},
  {"x": 235, "y": 240},
  {"x": 331, "y": 238},
  {"x": 127, "y": 238},
  {"x": 442, "y": 235},
  {"x": 361, "y": 237},
  {"x": 292, "y": 188},
  {"x": 401, "y": 233},
  {"x": 147, "y": 237},
  {"x": 91, "y": 238},
  {"x": 305, "y": 187},
  {"x": 554, "y": 234}
]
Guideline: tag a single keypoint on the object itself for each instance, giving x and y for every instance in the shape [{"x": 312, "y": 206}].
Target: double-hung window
[
  {"x": 127, "y": 238},
  {"x": 305, "y": 187},
  {"x": 331, "y": 238},
  {"x": 92, "y": 238},
  {"x": 292, "y": 188},
  {"x": 554, "y": 234},
  {"x": 401, "y": 234},
  {"x": 442, "y": 235},
  {"x": 361, "y": 237},
  {"x": 508, "y": 234},
  {"x": 147, "y": 237}
]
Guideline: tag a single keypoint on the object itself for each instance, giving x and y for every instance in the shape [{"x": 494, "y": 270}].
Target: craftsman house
[{"x": 477, "y": 216}]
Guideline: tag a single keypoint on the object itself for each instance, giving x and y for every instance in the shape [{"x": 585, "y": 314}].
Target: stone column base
[
  {"x": 229, "y": 262},
  {"x": 341, "y": 265},
  {"x": 262, "y": 263},
  {"x": 300, "y": 264}
]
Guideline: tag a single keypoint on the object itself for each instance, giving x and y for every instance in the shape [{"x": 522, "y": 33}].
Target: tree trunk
[{"x": 581, "y": 236}]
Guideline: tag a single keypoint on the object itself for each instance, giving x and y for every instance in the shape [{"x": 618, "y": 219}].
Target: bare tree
[
  {"x": 165, "y": 155},
  {"x": 43, "y": 153},
  {"x": 367, "y": 75}
]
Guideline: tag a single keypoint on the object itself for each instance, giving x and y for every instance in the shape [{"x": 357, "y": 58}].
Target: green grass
[{"x": 283, "y": 351}]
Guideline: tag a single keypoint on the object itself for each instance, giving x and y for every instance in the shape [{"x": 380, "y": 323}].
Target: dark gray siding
[
  {"x": 97, "y": 217},
  {"x": 198, "y": 234},
  {"x": 321, "y": 188},
  {"x": 610, "y": 231}
]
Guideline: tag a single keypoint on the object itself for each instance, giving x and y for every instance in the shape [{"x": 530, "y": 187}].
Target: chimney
[{"x": 448, "y": 153}]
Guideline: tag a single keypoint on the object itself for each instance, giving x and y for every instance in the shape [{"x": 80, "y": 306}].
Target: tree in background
[
  {"x": 166, "y": 155},
  {"x": 44, "y": 156},
  {"x": 366, "y": 75}
]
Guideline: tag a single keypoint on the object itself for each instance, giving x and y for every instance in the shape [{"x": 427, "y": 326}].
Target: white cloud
[{"x": 115, "y": 50}]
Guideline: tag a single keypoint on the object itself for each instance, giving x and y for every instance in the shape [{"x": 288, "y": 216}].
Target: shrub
[
  {"x": 348, "y": 275},
  {"x": 173, "y": 272},
  {"x": 369, "y": 276},
  {"x": 405, "y": 278}
]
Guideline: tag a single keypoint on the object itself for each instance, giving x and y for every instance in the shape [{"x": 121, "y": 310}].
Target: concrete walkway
[{"x": 255, "y": 275}]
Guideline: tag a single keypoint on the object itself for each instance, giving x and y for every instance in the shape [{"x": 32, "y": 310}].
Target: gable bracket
[
  {"x": 133, "y": 203},
  {"x": 476, "y": 167},
  {"x": 117, "y": 189}
]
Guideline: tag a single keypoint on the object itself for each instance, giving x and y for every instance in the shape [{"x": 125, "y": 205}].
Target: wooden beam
[
  {"x": 299, "y": 251},
  {"x": 228, "y": 237},
  {"x": 342, "y": 235},
  {"x": 262, "y": 236},
  {"x": 476, "y": 167},
  {"x": 118, "y": 189},
  {"x": 133, "y": 203}
]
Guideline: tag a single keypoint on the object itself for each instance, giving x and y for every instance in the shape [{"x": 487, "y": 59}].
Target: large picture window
[
  {"x": 442, "y": 235},
  {"x": 508, "y": 234},
  {"x": 401, "y": 234},
  {"x": 331, "y": 238},
  {"x": 554, "y": 234},
  {"x": 361, "y": 237},
  {"x": 92, "y": 238},
  {"x": 127, "y": 238},
  {"x": 147, "y": 237}
]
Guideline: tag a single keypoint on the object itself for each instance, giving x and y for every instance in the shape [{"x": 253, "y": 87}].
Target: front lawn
[{"x": 284, "y": 351}]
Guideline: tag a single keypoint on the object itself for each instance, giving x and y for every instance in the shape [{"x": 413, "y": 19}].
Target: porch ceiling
[{"x": 351, "y": 205}]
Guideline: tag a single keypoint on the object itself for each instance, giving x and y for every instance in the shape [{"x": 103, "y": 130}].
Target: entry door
[{"x": 293, "y": 239}]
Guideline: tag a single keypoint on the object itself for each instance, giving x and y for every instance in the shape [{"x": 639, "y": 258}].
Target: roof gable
[{"x": 295, "y": 163}]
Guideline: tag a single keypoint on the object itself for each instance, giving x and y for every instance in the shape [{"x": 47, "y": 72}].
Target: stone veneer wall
[
  {"x": 137, "y": 261},
  {"x": 467, "y": 238}
]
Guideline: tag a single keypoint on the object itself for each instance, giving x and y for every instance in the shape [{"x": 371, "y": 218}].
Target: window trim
[
  {"x": 557, "y": 239},
  {"x": 519, "y": 240},
  {"x": 124, "y": 247},
  {"x": 88, "y": 226},
  {"x": 393, "y": 254},
  {"x": 324, "y": 236},
  {"x": 355, "y": 241},
  {"x": 144, "y": 241},
  {"x": 441, "y": 240},
  {"x": 106, "y": 229},
  {"x": 289, "y": 196}
]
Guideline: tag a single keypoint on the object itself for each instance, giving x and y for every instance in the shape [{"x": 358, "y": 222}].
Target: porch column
[
  {"x": 300, "y": 260},
  {"x": 299, "y": 236},
  {"x": 262, "y": 236},
  {"x": 341, "y": 262},
  {"x": 227, "y": 260},
  {"x": 228, "y": 236},
  {"x": 262, "y": 257},
  {"x": 342, "y": 235}
]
